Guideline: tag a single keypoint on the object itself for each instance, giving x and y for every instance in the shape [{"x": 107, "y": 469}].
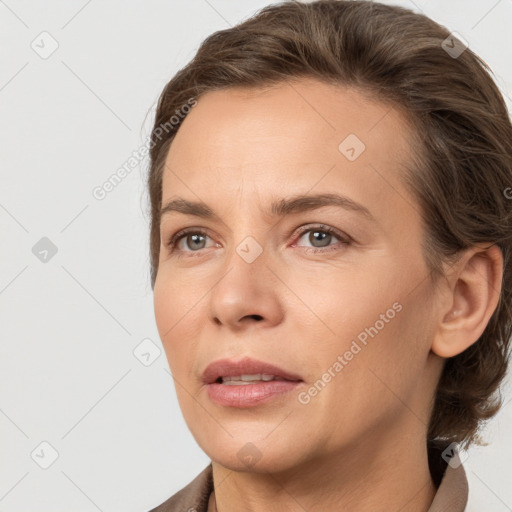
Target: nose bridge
[
  {"x": 249, "y": 231},
  {"x": 250, "y": 249},
  {"x": 247, "y": 258},
  {"x": 251, "y": 242}
]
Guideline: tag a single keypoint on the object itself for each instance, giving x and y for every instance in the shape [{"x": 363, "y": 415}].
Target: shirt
[{"x": 450, "y": 480}]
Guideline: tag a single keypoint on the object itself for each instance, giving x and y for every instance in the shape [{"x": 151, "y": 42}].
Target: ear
[{"x": 470, "y": 299}]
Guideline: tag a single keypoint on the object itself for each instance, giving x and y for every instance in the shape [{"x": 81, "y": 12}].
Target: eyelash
[{"x": 344, "y": 239}]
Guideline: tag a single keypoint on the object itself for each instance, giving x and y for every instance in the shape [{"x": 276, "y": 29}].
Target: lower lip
[{"x": 249, "y": 395}]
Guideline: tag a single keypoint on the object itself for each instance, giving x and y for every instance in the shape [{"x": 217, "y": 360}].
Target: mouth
[
  {"x": 244, "y": 380},
  {"x": 245, "y": 371},
  {"x": 247, "y": 383}
]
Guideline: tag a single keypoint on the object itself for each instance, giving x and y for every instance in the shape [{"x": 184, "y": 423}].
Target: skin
[{"x": 359, "y": 444}]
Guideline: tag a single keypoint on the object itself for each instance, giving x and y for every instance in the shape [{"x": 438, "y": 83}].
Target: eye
[
  {"x": 193, "y": 238},
  {"x": 320, "y": 237}
]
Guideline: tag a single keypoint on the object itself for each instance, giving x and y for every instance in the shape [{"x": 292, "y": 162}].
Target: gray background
[{"x": 69, "y": 376}]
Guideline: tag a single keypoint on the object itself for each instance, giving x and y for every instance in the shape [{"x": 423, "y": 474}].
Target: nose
[{"x": 248, "y": 292}]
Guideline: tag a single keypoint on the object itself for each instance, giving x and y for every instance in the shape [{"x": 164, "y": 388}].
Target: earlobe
[{"x": 474, "y": 291}]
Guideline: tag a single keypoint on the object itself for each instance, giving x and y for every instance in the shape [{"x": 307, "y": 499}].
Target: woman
[{"x": 330, "y": 248}]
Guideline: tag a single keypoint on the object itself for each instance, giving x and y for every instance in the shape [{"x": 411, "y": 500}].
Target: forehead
[{"x": 288, "y": 139}]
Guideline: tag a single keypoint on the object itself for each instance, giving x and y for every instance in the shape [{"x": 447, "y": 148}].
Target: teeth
[{"x": 247, "y": 379}]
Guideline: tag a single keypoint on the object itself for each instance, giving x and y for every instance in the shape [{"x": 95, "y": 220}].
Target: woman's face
[{"x": 349, "y": 313}]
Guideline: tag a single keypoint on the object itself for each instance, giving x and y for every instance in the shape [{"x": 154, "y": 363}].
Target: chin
[
  {"x": 252, "y": 462},
  {"x": 251, "y": 453}
]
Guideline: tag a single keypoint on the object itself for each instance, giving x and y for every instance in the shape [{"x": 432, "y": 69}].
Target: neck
[{"x": 361, "y": 478}]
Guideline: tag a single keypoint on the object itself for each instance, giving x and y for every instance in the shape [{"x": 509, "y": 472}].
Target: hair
[{"x": 461, "y": 147}]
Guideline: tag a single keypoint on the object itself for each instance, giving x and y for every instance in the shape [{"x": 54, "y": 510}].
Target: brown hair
[{"x": 462, "y": 147}]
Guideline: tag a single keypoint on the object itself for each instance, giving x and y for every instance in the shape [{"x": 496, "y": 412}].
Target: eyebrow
[{"x": 280, "y": 208}]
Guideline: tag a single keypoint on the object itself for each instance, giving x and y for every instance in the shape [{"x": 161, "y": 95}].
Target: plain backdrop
[{"x": 79, "y": 394}]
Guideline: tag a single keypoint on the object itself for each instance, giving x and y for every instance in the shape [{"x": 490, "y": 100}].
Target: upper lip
[{"x": 246, "y": 366}]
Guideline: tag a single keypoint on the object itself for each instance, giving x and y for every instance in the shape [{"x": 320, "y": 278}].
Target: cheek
[
  {"x": 344, "y": 304},
  {"x": 175, "y": 296},
  {"x": 363, "y": 323},
  {"x": 176, "y": 321},
  {"x": 391, "y": 353},
  {"x": 166, "y": 307},
  {"x": 373, "y": 379}
]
